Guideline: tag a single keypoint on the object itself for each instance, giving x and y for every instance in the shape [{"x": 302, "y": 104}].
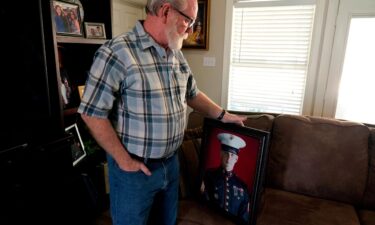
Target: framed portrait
[
  {"x": 233, "y": 160},
  {"x": 199, "y": 38},
  {"x": 67, "y": 18},
  {"x": 77, "y": 147},
  {"x": 95, "y": 30}
]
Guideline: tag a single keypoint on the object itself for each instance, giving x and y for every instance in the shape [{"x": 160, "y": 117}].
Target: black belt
[{"x": 152, "y": 160}]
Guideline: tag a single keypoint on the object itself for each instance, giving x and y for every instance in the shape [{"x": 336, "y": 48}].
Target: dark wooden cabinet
[{"x": 38, "y": 183}]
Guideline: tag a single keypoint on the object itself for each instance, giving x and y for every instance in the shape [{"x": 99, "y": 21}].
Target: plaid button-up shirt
[{"x": 142, "y": 89}]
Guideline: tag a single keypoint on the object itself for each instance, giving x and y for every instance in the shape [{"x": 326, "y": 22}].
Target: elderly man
[{"x": 134, "y": 104}]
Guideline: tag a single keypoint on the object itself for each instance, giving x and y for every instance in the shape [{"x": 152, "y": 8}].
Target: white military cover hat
[{"x": 230, "y": 142}]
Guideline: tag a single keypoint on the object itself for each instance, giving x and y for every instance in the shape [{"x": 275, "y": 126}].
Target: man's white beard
[{"x": 175, "y": 40}]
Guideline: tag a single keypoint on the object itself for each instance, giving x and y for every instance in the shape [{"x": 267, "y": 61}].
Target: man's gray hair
[{"x": 153, "y": 6}]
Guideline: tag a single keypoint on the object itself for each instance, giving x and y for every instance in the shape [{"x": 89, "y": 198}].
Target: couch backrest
[
  {"x": 195, "y": 120},
  {"x": 260, "y": 122},
  {"x": 369, "y": 197},
  {"x": 257, "y": 121},
  {"x": 319, "y": 157}
]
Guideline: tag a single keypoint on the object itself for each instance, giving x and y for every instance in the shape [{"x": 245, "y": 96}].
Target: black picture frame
[
  {"x": 235, "y": 194},
  {"x": 199, "y": 39},
  {"x": 66, "y": 18}
]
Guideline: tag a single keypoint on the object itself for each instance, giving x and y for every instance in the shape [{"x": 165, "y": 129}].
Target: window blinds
[{"x": 269, "y": 57}]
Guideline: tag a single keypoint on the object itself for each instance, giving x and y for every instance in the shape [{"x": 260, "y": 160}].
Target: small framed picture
[
  {"x": 232, "y": 166},
  {"x": 95, "y": 30},
  {"x": 67, "y": 18},
  {"x": 77, "y": 147}
]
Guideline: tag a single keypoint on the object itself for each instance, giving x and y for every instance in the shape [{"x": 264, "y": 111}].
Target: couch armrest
[{"x": 369, "y": 196}]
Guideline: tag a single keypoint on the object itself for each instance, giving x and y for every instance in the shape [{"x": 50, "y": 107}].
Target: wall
[
  {"x": 209, "y": 79},
  {"x": 125, "y": 13}
]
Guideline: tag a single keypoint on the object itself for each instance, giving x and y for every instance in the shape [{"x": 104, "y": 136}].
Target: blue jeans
[{"x": 134, "y": 194}]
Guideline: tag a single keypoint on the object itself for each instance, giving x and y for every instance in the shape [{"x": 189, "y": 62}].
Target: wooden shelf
[{"x": 79, "y": 40}]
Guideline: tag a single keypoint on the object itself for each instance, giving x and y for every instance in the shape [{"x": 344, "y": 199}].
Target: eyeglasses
[{"x": 188, "y": 19}]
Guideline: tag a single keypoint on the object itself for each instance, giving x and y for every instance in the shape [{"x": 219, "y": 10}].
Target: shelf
[{"x": 79, "y": 40}]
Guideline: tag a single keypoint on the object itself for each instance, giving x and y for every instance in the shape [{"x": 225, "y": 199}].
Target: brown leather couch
[{"x": 320, "y": 171}]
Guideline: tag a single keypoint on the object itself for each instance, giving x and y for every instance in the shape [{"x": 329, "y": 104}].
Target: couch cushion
[
  {"x": 281, "y": 207},
  {"x": 319, "y": 157},
  {"x": 369, "y": 197},
  {"x": 195, "y": 120},
  {"x": 193, "y": 213},
  {"x": 367, "y": 217}
]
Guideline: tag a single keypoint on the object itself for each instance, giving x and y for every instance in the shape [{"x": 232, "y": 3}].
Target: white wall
[
  {"x": 209, "y": 79},
  {"x": 125, "y": 13}
]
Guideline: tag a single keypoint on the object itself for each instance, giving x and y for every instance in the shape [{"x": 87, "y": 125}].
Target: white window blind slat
[
  {"x": 269, "y": 57},
  {"x": 258, "y": 3}
]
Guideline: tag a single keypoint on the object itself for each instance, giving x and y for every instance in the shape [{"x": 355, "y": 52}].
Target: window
[
  {"x": 270, "y": 55},
  {"x": 356, "y": 92}
]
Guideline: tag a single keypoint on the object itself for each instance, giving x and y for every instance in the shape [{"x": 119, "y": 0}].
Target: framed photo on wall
[
  {"x": 67, "y": 18},
  {"x": 233, "y": 159},
  {"x": 200, "y": 36},
  {"x": 95, "y": 30}
]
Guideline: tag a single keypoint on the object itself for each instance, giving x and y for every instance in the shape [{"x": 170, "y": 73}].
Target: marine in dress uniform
[{"x": 221, "y": 186}]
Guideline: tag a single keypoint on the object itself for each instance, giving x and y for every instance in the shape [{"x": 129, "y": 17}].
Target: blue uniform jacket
[{"x": 227, "y": 191}]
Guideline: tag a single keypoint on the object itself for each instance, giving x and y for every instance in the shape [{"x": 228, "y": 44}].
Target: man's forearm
[
  {"x": 106, "y": 137},
  {"x": 205, "y": 105}
]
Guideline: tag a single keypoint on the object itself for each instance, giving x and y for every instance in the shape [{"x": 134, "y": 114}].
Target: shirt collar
[{"x": 146, "y": 41}]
